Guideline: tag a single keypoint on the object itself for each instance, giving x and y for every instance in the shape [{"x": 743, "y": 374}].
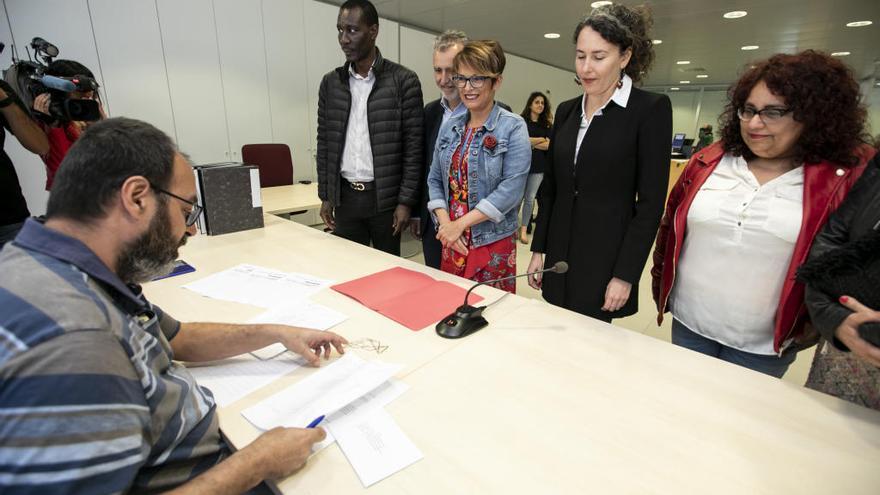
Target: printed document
[
  {"x": 374, "y": 445},
  {"x": 377, "y": 399},
  {"x": 258, "y": 286},
  {"x": 302, "y": 313},
  {"x": 327, "y": 390},
  {"x": 233, "y": 378}
]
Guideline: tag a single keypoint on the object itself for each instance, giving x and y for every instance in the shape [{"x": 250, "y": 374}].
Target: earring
[{"x": 620, "y": 81}]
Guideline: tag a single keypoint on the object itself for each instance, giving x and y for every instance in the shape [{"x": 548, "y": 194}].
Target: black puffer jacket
[{"x": 395, "y": 116}]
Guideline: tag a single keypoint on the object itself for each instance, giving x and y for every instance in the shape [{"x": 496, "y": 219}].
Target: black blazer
[
  {"x": 601, "y": 214},
  {"x": 433, "y": 120}
]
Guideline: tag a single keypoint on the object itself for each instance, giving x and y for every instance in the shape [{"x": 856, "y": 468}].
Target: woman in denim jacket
[{"x": 478, "y": 173}]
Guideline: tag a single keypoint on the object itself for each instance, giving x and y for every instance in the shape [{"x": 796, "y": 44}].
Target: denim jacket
[{"x": 497, "y": 176}]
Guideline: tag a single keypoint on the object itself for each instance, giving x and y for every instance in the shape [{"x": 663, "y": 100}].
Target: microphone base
[{"x": 465, "y": 321}]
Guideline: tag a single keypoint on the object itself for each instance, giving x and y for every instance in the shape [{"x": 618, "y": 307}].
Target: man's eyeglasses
[
  {"x": 477, "y": 82},
  {"x": 769, "y": 115},
  {"x": 193, "y": 214}
]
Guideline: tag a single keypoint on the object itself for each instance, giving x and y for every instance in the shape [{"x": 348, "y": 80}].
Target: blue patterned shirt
[{"x": 91, "y": 400}]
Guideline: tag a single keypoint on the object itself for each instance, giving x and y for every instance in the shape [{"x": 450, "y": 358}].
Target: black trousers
[
  {"x": 357, "y": 220},
  {"x": 431, "y": 247}
]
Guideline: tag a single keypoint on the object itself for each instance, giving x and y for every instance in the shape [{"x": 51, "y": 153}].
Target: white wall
[
  {"x": 523, "y": 76},
  {"x": 710, "y": 110}
]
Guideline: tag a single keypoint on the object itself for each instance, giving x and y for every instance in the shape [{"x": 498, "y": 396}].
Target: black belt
[{"x": 360, "y": 186}]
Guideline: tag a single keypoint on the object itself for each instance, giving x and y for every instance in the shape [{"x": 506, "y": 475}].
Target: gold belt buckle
[{"x": 357, "y": 186}]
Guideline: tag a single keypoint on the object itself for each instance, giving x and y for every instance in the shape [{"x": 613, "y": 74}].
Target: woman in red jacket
[{"x": 744, "y": 212}]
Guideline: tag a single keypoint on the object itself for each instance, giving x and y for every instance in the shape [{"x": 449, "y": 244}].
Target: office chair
[{"x": 273, "y": 161}]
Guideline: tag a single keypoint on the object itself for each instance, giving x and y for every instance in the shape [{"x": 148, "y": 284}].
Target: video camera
[{"x": 29, "y": 79}]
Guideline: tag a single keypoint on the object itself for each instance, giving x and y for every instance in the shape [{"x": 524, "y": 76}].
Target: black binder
[{"x": 230, "y": 195}]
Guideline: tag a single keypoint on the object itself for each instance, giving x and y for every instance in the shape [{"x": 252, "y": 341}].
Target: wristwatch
[{"x": 8, "y": 101}]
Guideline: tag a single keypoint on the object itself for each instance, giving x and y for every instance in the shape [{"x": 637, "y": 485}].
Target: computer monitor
[
  {"x": 687, "y": 147},
  {"x": 677, "y": 142}
]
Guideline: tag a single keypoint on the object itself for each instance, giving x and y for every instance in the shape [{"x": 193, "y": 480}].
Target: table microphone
[{"x": 468, "y": 319}]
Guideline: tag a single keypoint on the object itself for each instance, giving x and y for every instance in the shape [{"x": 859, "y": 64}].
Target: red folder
[{"x": 413, "y": 299}]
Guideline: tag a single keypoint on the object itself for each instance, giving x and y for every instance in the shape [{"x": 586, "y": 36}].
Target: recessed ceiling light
[
  {"x": 683, "y": 62},
  {"x": 596, "y": 5},
  {"x": 839, "y": 54},
  {"x": 684, "y": 82},
  {"x": 702, "y": 76},
  {"x": 657, "y": 42},
  {"x": 673, "y": 89},
  {"x": 856, "y": 24},
  {"x": 551, "y": 36},
  {"x": 750, "y": 47},
  {"x": 736, "y": 14}
]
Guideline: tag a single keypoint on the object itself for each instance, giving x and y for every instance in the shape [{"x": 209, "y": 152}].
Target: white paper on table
[
  {"x": 233, "y": 378},
  {"x": 328, "y": 390},
  {"x": 302, "y": 313},
  {"x": 380, "y": 397},
  {"x": 374, "y": 445},
  {"x": 258, "y": 286},
  {"x": 270, "y": 351}
]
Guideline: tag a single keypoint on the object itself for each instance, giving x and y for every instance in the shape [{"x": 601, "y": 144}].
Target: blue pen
[{"x": 315, "y": 422}]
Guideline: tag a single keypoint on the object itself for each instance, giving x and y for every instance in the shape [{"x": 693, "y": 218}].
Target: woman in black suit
[{"x": 607, "y": 174}]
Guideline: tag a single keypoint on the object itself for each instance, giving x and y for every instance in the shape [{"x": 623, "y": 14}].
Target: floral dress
[{"x": 495, "y": 260}]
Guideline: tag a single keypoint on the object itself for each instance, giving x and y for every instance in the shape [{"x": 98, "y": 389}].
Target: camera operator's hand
[
  {"x": 41, "y": 103},
  {"x": 23, "y": 127}
]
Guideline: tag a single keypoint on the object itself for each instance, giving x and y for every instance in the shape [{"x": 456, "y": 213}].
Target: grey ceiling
[{"x": 690, "y": 29}]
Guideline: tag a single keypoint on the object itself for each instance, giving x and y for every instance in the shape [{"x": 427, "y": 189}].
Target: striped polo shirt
[{"x": 91, "y": 400}]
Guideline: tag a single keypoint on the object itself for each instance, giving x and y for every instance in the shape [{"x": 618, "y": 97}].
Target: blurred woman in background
[{"x": 539, "y": 118}]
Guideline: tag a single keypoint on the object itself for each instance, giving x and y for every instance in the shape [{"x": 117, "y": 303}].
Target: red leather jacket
[{"x": 825, "y": 186}]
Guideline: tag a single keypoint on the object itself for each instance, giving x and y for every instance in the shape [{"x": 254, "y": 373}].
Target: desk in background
[
  {"x": 298, "y": 201},
  {"x": 544, "y": 400}
]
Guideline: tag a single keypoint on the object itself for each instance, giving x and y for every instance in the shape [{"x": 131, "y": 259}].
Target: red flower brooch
[{"x": 489, "y": 142}]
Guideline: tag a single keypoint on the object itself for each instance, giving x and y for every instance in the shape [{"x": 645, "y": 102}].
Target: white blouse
[{"x": 737, "y": 248}]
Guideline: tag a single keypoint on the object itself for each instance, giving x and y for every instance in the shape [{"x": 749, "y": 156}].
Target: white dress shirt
[
  {"x": 357, "y": 156},
  {"x": 737, "y": 248},
  {"x": 620, "y": 96}
]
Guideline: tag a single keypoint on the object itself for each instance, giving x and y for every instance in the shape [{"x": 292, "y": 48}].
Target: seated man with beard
[{"x": 91, "y": 397}]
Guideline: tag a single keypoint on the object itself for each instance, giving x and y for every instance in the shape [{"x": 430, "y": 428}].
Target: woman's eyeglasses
[
  {"x": 477, "y": 82},
  {"x": 769, "y": 115}
]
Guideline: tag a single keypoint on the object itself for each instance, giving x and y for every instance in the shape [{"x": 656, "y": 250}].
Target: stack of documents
[
  {"x": 351, "y": 393},
  {"x": 231, "y": 379}
]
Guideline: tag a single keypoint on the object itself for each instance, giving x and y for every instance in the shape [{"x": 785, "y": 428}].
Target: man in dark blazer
[{"x": 446, "y": 46}]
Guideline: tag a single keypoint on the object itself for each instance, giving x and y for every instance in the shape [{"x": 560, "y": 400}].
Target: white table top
[
  {"x": 547, "y": 401},
  {"x": 287, "y": 199}
]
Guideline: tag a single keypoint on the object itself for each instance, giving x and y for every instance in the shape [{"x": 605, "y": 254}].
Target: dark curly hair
[
  {"x": 546, "y": 117},
  {"x": 822, "y": 94},
  {"x": 627, "y": 28}
]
